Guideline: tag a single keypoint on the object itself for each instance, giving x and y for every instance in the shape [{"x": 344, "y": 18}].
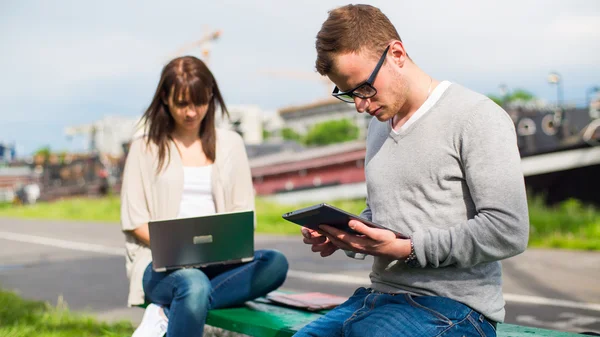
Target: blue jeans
[
  {"x": 371, "y": 313},
  {"x": 188, "y": 294}
]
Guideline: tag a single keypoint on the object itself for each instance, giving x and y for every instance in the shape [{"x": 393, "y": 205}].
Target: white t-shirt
[
  {"x": 429, "y": 102},
  {"x": 197, "y": 197}
]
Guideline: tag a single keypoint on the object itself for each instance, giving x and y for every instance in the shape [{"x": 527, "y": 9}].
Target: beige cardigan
[{"x": 146, "y": 196}]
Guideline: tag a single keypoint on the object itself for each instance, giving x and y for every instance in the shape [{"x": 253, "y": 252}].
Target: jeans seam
[
  {"x": 453, "y": 324},
  {"x": 354, "y": 314},
  {"x": 490, "y": 324},
  {"x": 476, "y": 325},
  {"x": 374, "y": 302},
  {"x": 412, "y": 302}
]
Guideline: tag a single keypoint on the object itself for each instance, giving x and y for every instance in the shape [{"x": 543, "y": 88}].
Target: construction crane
[
  {"x": 203, "y": 43},
  {"x": 89, "y": 130}
]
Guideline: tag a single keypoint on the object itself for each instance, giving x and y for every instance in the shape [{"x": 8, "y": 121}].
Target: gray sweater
[{"x": 452, "y": 181}]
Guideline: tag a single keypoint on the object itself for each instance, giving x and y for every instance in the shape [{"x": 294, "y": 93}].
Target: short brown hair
[{"x": 350, "y": 28}]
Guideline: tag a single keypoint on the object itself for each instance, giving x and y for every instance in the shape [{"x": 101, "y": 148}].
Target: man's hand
[
  {"x": 319, "y": 242},
  {"x": 372, "y": 241}
]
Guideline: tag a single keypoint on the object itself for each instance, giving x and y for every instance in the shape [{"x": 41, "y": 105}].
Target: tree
[
  {"x": 290, "y": 134},
  {"x": 497, "y": 99},
  {"x": 266, "y": 134},
  {"x": 42, "y": 154},
  {"x": 335, "y": 131},
  {"x": 521, "y": 95},
  {"x": 517, "y": 95}
]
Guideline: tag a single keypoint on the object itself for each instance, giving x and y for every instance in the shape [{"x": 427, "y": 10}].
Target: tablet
[{"x": 325, "y": 214}]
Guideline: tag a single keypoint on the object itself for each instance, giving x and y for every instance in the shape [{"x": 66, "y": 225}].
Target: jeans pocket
[
  {"x": 491, "y": 327},
  {"x": 412, "y": 302},
  {"x": 483, "y": 327}
]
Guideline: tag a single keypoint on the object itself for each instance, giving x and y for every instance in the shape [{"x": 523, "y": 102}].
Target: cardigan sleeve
[
  {"x": 134, "y": 203},
  {"x": 243, "y": 189}
]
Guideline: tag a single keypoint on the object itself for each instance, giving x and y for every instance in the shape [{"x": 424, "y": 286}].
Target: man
[{"x": 443, "y": 167}]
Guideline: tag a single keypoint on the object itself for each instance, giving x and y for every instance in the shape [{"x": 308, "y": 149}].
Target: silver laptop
[{"x": 223, "y": 238}]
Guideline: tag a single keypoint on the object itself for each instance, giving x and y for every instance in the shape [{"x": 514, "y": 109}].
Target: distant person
[
  {"x": 442, "y": 166},
  {"x": 185, "y": 167}
]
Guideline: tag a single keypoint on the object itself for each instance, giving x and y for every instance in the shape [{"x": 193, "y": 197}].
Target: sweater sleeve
[
  {"x": 491, "y": 163},
  {"x": 134, "y": 206},
  {"x": 366, "y": 213}
]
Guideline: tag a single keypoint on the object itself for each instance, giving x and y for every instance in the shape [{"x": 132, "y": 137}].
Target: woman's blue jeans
[
  {"x": 371, "y": 313},
  {"x": 188, "y": 294}
]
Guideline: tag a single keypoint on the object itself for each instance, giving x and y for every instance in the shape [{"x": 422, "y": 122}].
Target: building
[
  {"x": 301, "y": 118},
  {"x": 247, "y": 120},
  {"x": 12, "y": 178},
  {"x": 324, "y": 173},
  {"x": 8, "y": 152},
  {"x": 106, "y": 135}
]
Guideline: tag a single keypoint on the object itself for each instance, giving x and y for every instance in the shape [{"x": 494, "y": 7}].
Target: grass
[
  {"x": 23, "y": 318},
  {"x": 82, "y": 209},
  {"x": 570, "y": 225},
  {"x": 269, "y": 213}
]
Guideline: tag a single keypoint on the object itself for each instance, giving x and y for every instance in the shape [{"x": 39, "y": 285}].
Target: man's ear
[{"x": 398, "y": 53}]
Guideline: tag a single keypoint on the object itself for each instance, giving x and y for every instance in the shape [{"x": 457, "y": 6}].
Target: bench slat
[
  {"x": 266, "y": 320},
  {"x": 259, "y": 319}
]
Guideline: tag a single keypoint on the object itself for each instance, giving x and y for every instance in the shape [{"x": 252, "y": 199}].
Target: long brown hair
[
  {"x": 350, "y": 28},
  {"x": 188, "y": 76}
]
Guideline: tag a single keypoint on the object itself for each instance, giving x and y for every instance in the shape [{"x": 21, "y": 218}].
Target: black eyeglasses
[{"x": 365, "y": 89}]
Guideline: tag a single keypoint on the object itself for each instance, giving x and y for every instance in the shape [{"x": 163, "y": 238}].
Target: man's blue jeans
[
  {"x": 188, "y": 294},
  {"x": 371, "y": 313}
]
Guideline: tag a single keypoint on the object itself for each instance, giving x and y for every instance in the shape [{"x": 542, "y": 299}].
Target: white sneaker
[{"x": 154, "y": 323}]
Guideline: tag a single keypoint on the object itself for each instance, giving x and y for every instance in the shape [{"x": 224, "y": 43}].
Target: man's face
[{"x": 352, "y": 69}]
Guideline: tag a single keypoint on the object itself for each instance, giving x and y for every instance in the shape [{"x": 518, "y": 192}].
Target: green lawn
[
  {"x": 22, "y": 318},
  {"x": 569, "y": 225}
]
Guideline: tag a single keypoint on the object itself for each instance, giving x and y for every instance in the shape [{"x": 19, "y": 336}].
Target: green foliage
[
  {"x": 513, "y": 96},
  {"x": 62, "y": 156},
  {"x": 266, "y": 134},
  {"x": 330, "y": 132},
  {"x": 43, "y": 152},
  {"x": 570, "y": 224},
  {"x": 290, "y": 134},
  {"x": 520, "y": 95},
  {"x": 22, "y": 318},
  {"x": 497, "y": 99},
  {"x": 325, "y": 133}
]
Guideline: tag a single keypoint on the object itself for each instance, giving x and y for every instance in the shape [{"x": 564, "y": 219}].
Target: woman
[{"x": 185, "y": 167}]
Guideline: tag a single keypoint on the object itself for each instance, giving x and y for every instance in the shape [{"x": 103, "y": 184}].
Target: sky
[{"x": 65, "y": 63}]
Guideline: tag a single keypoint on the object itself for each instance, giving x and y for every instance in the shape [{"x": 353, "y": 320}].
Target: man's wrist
[
  {"x": 399, "y": 250},
  {"x": 411, "y": 260}
]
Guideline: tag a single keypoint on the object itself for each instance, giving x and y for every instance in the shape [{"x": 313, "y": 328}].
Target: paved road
[{"x": 82, "y": 264}]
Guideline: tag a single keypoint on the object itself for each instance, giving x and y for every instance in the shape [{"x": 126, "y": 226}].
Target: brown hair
[
  {"x": 350, "y": 28},
  {"x": 189, "y": 77}
]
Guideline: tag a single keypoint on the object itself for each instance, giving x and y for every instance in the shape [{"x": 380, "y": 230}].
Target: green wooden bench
[{"x": 267, "y": 320}]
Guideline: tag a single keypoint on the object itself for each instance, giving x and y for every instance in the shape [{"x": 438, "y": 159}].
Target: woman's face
[{"x": 186, "y": 114}]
